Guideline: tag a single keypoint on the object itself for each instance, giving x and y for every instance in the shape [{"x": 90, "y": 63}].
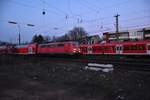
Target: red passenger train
[
  {"x": 112, "y": 48},
  {"x": 121, "y": 48}
]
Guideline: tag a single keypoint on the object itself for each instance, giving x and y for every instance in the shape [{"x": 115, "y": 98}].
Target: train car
[
  {"x": 84, "y": 49},
  {"x": 118, "y": 48},
  {"x": 134, "y": 48},
  {"x": 104, "y": 48},
  {"x": 59, "y": 48},
  {"x": 3, "y": 49},
  {"x": 6, "y": 49},
  {"x": 26, "y": 49}
]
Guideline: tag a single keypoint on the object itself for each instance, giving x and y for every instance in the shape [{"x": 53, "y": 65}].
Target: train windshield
[{"x": 75, "y": 44}]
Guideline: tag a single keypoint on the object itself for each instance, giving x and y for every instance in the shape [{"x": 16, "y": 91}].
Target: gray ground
[{"x": 29, "y": 79}]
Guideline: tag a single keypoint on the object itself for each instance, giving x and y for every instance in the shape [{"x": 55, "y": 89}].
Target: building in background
[
  {"x": 112, "y": 36},
  {"x": 136, "y": 34},
  {"x": 146, "y": 33},
  {"x": 90, "y": 40}
]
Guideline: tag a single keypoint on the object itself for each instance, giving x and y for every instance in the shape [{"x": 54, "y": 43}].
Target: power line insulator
[
  {"x": 66, "y": 17},
  {"x": 43, "y": 12}
]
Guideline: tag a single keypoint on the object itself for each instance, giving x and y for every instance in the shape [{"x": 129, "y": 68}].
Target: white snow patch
[
  {"x": 99, "y": 67},
  {"x": 92, "y": 68},
  {"x": 107, "y": 70}
]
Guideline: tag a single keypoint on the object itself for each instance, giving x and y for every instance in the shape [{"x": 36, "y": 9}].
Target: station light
[
  {"x": 11, "y": 22},
  {"x": 30, "y": 25}
]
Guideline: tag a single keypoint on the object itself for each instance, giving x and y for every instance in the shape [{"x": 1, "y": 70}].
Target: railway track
[{"x": 118, "y": 63}]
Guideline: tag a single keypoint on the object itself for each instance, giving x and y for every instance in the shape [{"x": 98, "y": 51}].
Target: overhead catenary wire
[
  {"x": 94, "y": 7},
  {"x": 64, "y": 13},
  {"x": 92, "y": 20},
  {"x": 105, "y": 24},
  {"x": 34, "y": 7},
  {"x": 108, "y": 17}
]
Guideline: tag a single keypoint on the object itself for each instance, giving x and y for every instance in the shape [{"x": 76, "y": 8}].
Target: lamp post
[{"x": 19, "y": 36}]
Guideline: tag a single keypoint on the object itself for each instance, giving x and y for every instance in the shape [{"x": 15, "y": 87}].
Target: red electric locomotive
[
  {"x": 59, "y": 48},
  {"x": 48, "y": 48}
]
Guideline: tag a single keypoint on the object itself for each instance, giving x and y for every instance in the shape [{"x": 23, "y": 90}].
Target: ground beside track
[{"x": 42, "y": 79}]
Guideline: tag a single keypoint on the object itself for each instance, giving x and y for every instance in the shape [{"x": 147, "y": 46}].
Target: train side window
[
  {"x": 140, "y": 47},
  {"x": 43, "y": 46},
  {"x": 75, "y": 44},
  {"x": 126, "y": 48},
  {"x": 30, "y": 49},
  {"x": 118, "y": 48},
  {"x": 134, "y": 47},
  {"x": 53, "y": 45},
  {"x": 48, "y": 46},
  {"x": 121, "y": 48},
  {"x": 60, "y": 45},
  {"x": 94, "y": 49},
  {"x": 148, "y": 47},
  {"x": 105, "y": 48},
  {"x": 85, "y": 49},
  {"x": 89, "y": 49}
]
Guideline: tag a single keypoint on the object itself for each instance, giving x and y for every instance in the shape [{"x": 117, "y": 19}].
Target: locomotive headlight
[{"x": 74, "y": 49}]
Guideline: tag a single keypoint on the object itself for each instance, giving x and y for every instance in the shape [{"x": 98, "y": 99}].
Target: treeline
[
  {"x": 4, "y": 43},
  {"x": 75, "y": 34}
]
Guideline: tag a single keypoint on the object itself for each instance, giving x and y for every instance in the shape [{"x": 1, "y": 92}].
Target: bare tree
[
  {"x": 37, "y": 39},
  {"x": 77, "y": 33}
]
